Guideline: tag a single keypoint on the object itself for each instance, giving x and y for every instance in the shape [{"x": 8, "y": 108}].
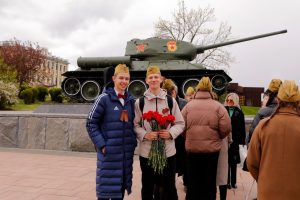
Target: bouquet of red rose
[{"x": 157, "y": 155}]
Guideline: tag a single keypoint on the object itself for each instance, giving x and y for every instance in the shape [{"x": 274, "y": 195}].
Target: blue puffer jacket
[{"x": 114, "y": 168}]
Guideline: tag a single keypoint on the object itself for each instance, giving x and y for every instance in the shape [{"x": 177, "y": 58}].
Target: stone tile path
[{"x": 56, "y": 175}]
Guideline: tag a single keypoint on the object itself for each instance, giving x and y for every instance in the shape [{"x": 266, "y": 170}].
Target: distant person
[
  {"x": 189, "y": 93},
  {"x": 110, "y": 127},
  {"x": 207, "y": 123},
  {"x": 238, "y": 136},
  {"x": 156, "y": 185},
  {"x": 268, "y": 106},
  {"x": 273, "y": 155},
  {"x": 172, "y": 90},
  {"x": 222, "y": 169}
]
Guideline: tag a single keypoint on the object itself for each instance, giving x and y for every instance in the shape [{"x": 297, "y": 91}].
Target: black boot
[{"x": 223, "y": 192}]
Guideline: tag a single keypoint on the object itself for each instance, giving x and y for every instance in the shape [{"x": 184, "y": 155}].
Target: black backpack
[{"x": 169, "y": 98}]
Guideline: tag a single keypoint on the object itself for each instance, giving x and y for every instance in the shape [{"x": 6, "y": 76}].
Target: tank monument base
[{"x": 77, "y": 108}]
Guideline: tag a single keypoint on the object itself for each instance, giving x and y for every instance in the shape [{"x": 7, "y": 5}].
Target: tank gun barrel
[
  {"x": 201, "y": 49},
  {"x": 102, "y": 62}
]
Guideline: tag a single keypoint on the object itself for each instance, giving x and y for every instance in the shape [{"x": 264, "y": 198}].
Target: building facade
[
  {"x": 54, "y": 67},
  {"x": 249, "y": 96}
]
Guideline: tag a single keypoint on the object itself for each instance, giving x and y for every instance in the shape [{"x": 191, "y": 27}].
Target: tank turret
[{"x": 172, "y": 56}]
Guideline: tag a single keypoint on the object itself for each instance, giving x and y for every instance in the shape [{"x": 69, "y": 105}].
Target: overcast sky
[{"x": 73, "y": 28}]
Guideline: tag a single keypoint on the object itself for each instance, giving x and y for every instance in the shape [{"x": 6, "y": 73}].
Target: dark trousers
[
  {"x": 202, "y": 172},
  {"x": 232, "y": 174},
  {"x": 158, "y": 187},
  {"x": 223, "y": 192}
]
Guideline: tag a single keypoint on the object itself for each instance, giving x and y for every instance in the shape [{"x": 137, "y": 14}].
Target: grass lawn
[
  {"x": 22, "y": 106},
  {"x": 249, "y": 110}
]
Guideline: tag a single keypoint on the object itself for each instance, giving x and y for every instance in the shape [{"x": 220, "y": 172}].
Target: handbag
[{"x": 243, "y": 154}]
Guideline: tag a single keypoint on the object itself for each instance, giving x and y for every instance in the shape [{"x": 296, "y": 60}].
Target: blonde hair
[{"x": 235, "y": 98}]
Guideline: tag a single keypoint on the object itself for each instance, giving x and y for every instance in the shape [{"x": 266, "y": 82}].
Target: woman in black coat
[{"x": 238, "y": 136}]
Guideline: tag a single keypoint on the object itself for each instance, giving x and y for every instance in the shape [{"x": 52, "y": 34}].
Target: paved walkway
[{"x": 56, "y": 175}]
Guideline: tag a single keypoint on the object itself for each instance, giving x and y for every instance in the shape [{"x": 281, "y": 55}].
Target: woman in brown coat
[{"x": 273, "y": 155}]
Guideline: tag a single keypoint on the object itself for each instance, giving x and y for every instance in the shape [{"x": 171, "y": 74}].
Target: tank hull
[{"x": 99, "y": 80}]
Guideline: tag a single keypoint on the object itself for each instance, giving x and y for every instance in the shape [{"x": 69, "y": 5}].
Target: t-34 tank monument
[{"x": 172, "y": 56}]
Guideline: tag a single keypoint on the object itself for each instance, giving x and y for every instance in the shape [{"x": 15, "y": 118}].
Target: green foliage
[
  {"x": 35, "y": 93},
  {"x": 7, "y": 73},
  {"x": 56, "y": 94},
  {"x": 8, "y": 94},
  {"x": 23, "y": 87},
  {"x": 27, "y": 95},
  {"x": 43, "y": 92}
]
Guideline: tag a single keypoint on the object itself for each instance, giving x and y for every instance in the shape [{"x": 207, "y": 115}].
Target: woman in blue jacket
[{"x": 110, "y": 127}]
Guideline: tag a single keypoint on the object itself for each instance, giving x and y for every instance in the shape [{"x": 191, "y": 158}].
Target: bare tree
[
  {"x": 26, "y": 57},
  {"x": 195, "y": 26}
]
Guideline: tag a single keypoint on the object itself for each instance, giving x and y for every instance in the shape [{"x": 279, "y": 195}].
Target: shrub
[
  {"x": 35, "y": 93},
  {"x": 56, "y": 94},
  {"x": 43, "y": 92},
  {"x": 8, "y": 94},
  {"x": 24, "y": 86},
  {"x": 27, "y": 95}
]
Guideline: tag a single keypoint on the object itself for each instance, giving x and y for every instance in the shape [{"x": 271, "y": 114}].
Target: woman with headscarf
[
  {"x": 206, "y": 124},
  {"x": 273, "y": 155},
  {"x": 238, "y": 136}
]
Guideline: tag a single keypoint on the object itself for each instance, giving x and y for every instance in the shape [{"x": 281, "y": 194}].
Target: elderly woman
[
  {"x": 238, "y": 136},
  {"x": 273, "y": 155}
]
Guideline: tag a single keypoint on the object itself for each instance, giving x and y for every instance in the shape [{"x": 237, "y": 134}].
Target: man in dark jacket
[
  {"x": 110, "y": 127},
  {"x": 269, "y": 107},
  {"x": 172, "y": 90}
]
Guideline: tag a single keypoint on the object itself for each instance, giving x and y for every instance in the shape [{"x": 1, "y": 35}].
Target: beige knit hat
[
  {"x": 121, "y": 68},
  {"x": 153, "y": 69},
  {"x": 168, "y": 85},
  {"x": 274, "y": 85},
  {"x": 190, "y": 91},
  {"x": 289, "y": 91},
  {"x": 204, "y": 84}
]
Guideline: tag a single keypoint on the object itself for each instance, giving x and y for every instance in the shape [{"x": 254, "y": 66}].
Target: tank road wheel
[
  {"x": 90, "y": 90},
  {"x": 137, "y": 88},
  {"x": 71, "y": 86},
  {"x": 189, "y": 83},
  {"x": 219, "y": 82}
]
